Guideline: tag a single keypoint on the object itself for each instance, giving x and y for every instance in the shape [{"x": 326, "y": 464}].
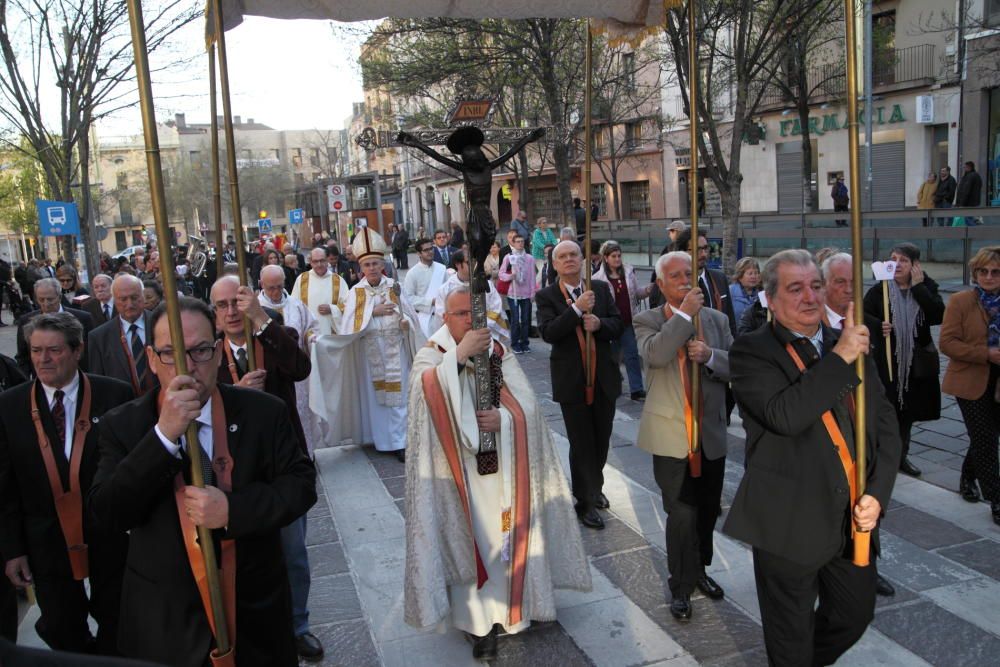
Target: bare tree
[{"x": 72, "y": 57}]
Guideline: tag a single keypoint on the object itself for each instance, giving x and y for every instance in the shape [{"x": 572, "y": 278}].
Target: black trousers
[
  {"x": 588, "y": 428},
  {"x": 796, "y": 632},
  {"x": 982, "y": 421},
  {"x": 692, "y": 506},
  {"x": 8, "y": 609}
]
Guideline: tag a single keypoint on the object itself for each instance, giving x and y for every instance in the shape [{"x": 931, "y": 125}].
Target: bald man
[
  {"x": 322, "y": 290},
  {"x": 117, "y": 346}
]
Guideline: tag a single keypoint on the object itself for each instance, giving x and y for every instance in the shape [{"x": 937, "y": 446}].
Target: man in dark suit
[
  {"x": 101, "y": 306},
  {"x": 795, "y": 504},
  {"x": 281, "y": 362},
  {"x": 565, "y": 312},
  {"x": 48, "y": 295},
  {"x": 442, "y": 251},
  {"x": 252, "y": 449},
  {"x": 118, "y": 347},
  {"x": 400, "y": 245},
  {"x": 55, "y": 458}
]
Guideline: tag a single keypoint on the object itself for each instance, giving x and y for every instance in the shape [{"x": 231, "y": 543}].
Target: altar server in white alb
[
  {"x": 459, "y": 277},
  {"x": 484, "y": 552},
  {"x": 363, "y": 369},
  {"x": 422, "y": 283},
  {"x": 322, "y": 290}
]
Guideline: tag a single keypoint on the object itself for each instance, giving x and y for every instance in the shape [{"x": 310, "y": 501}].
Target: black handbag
[{"x": 926, "y": 362}]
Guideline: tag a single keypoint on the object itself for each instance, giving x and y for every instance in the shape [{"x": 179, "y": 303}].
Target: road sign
[
  {"x": 296, "y": 216},
  {"x": 264, "y": 225},
  {"x": 57, "y": 218},
  {"x": 337, "y": 194}
]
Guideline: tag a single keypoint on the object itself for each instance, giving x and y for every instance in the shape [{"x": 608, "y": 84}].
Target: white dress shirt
[
  {"x": 140, "y": 324},
  {"x": 204, "y": 433},
  {"x": 836, "y": 321},
  {"x": 69, "y": 403}
]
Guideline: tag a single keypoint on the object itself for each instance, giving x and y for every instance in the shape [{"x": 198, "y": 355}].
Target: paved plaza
[{"x": 941, "y": 553}]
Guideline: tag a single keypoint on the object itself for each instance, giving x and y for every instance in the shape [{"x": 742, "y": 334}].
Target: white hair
[
  {"x": 101, "y": 276},
  {"x": 568, "y": 232},
  {"x": 661, "y": 263},
  {"x": 125, "y": 280},
  {"x": 574, "y": 244},
  {"x": 836, "y": 258}
]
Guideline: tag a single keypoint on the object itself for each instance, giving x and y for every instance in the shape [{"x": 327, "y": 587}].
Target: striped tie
[{"x": 138, "y": 354}]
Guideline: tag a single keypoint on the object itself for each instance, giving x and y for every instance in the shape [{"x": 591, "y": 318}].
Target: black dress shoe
[
  {"x": 591, "y": 519},
  {"x": 484, "y": 648},
  {"x": 712, "y": 590},
  {"x": 602, "y": 502},
  {"x": 908, "y": 468},
  {"x": 883, "y": 587},
  {"x": 638, "y": 396},
  {"x": 680, "y": 608},
  {"x": 967, "y": 487},
  {"x": 995, "y": 509},
  {"x": 401, "y": 455},
  {"x": 308, "y": 647}
]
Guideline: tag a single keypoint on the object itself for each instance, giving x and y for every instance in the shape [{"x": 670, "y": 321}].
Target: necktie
[
  {"x": 59, "y": 417},
  {"x": 138, "y": 354},
  {"x": 576, "y": 292},
  {"x": 241, "y": 362},
  {"x": 445, "y": 253},
  {"x": 107, "y": 312},
  {"x": 206, "y": 462}
]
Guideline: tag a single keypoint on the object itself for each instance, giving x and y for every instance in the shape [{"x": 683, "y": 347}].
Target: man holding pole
[
  {"x": 797, "y": 505},
  {"x": 257, "y": 480}
]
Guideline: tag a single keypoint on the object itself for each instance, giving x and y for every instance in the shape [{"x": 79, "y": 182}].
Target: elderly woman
[
  {"x": 925, "y": 195},
  {"x": 970, "y": 338},
  {"x": 628, "y": 297},
  {"x": 745, "y": 285},
  {"x": 152, "y": 294},
  {"x": 915, "y": 307}
]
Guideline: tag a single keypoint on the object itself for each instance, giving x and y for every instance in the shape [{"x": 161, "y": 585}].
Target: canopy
[{"x": 632, "y": 13}]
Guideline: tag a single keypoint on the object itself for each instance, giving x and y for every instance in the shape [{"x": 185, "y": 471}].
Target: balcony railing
[{"x": 893, "y": 68}]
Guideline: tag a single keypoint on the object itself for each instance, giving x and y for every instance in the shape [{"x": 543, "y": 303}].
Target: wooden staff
[
  {"x": 220, "y": 263},
  {"x": 588, "y": 150},
  {"x": 862, "y": 540},
  {"x": 693, "y": 73},
  {"x": 159, "y": 204},
  {"x": 885, "y": 318},
  {"x": 234, "y": 182}
]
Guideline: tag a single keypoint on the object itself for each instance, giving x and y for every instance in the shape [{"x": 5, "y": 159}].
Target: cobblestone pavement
[{"x": 941, "y": 553}]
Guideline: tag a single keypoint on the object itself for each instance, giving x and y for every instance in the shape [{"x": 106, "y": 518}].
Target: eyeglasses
[
  {"x": 198, "y": 355},
  {"x": 992, "y": 273},
  {"x": 232, "y": 304}
]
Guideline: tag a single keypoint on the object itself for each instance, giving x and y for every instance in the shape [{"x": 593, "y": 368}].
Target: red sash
[
  {"x": 69, "y": 504},
  {"x": 258, "y": 358},
  {"x": 222, "y": 465},
  {"x": 861, "y": 539},
  {"x": 694, "y": 452},
  {"x": 582, "y": 340}
]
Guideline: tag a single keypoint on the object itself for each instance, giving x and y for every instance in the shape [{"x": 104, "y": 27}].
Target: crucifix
[{"x": 466, "y": 142}]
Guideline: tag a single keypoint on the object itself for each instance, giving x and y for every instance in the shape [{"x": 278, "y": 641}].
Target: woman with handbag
[
  {"x": 914, "y": 307},
  {"x": 970, "y": 337}
]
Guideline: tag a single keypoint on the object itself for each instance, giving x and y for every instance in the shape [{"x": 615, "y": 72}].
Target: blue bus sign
[
  {"x": 296, "y": 216},
  {"x": 57, "y": 218}
]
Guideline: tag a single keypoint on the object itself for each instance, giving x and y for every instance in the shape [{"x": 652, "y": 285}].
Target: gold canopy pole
[
  {"x": 220, "y": 263},
  {"x": 861, "y": 540},
  {"x": 234, "y": 182},
  {"x": 158, "y": 200},
  {"x": 588, "y": 154},
  {"x": 693, "y": 76}
]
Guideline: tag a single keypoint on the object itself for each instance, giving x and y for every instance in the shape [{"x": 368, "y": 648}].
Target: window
[
  {"x": 195, "y": 159},
  {"x": 992, "y": 11},
  {"x": 125, "y": 210},
  {"x": 120, "y": 240},
  {"x": 546, "y": 203},
  {"x": 297, "y": 157},
  {"x": 599, "y": 196},
  {"x": 636, "y": 200},
  {"x": 277, "y": 154},
  {"x": 597, "y": 140},
  {"x": 628, "y": 70},
  {"x": 633, "y": 135},
  {"x": 314, "y": 158},
  {"x": 122, "y": 179}
]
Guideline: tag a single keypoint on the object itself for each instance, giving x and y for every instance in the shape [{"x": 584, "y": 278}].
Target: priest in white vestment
[
  {"x": 322, "y": 290},
  {"x": 459, "y": 277},
  {"x": 422, "y": 283},
  {"x": 297, "y": 316},
  {"x": 483, "y": 551},
  {"x": 360, "y": 387}
]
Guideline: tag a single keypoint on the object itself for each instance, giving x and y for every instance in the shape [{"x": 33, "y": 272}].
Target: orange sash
[
  {"x": 694, "y": 455},
  {"x": 258, "y": 357},
  {"x": 582, "y": 340},
  {"x": 137, "y": 387},
  {"x": 850, "y": 470},
  {"x": 222, "y": 465},
  {"x": 69, "y": 504}
]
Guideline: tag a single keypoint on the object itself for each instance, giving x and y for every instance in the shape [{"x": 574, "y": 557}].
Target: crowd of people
[{"x": 329, "y": 344}]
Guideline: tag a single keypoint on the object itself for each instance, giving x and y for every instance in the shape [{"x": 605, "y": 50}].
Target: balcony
[{"x": 894, "y": 69}]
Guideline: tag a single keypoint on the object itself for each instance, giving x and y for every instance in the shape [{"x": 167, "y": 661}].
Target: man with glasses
[
  {"x": 322, "y": 290},
  {"x": 49, "y": 455},
  {"x": 118, "y": 347},
  {"x": 257, "y": 481},
  {"x": 422, "y": 283}
]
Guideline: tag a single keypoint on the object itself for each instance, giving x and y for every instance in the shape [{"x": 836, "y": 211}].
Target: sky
[{"x": 289, "y": 75}]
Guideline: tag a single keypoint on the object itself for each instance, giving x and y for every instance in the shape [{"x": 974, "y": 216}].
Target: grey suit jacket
[
  {"x": 107, "y": 357},
  {"x": 662, "y": 430}
]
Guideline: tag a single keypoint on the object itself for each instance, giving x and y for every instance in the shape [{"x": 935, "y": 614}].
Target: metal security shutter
[
  {"x": 789, "y": 178},
  {"x": 888, "y": 175}
]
